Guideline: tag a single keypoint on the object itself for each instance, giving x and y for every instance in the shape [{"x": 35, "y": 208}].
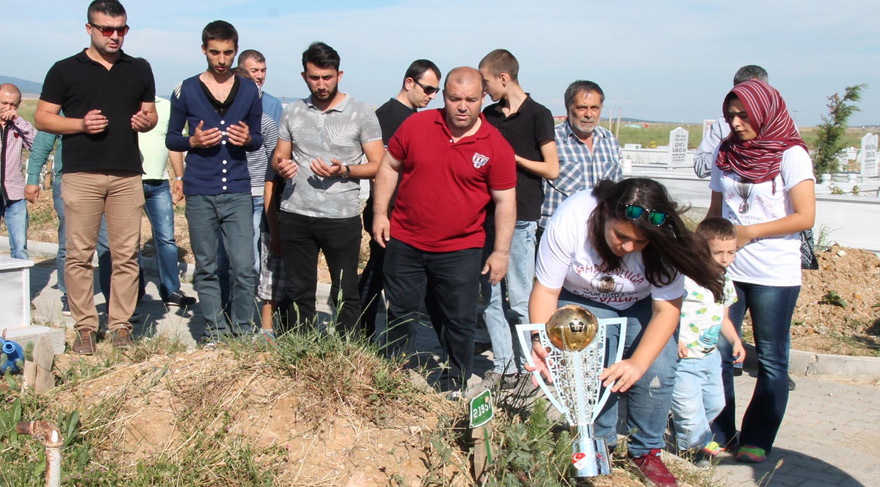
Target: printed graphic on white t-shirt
[
  {"x": 769, "y": 261},
  {"x": 567, "y": 259}
]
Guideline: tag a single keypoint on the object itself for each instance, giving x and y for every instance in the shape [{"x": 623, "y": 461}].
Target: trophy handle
[
  {"x": 618, "y": 354},
  {"x": 526, "y": 344}
]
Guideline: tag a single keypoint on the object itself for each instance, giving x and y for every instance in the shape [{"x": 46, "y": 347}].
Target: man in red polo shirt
[{"x": 451, "y": 164}]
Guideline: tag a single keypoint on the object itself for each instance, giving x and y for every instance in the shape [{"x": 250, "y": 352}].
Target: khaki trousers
[{"x": 119, "y": 197}]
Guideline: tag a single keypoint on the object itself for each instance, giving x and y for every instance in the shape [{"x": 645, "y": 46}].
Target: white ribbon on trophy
[{"x": 577, "y": 347}]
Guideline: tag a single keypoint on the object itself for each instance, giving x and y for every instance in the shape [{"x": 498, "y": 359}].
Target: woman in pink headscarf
[{"x": 763, "y": 182}]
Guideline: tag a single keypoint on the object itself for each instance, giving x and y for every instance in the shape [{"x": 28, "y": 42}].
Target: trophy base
[{"x": 590, "y": 457}]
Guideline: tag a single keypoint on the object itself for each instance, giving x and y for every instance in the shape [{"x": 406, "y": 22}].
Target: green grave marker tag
[{"x": 481, "y": 409}]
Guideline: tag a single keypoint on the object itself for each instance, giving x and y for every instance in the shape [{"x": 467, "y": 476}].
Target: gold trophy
[{"x": 576, "y": 342}]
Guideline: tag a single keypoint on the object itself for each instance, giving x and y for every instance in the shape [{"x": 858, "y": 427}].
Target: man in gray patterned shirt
[{"x": 327, "y": 142}]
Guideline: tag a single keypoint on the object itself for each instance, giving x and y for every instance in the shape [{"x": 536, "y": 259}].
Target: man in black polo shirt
[
  {"x": 421, "y": 82},
  {"x": 528, "y": 127},
  {"x": 107, "y": 97}
]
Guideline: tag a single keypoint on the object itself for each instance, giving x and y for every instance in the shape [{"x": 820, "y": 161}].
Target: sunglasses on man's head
[
  {"x": 108, "y": 31},
  {"x": 634, "y": 212},
  {"x": 429, "y": 90}
]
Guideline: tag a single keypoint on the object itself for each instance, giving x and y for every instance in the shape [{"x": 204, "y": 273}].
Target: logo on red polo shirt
[{"x": 480, "y": 160}]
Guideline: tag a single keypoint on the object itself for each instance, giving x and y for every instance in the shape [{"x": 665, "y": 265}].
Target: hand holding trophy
[{"x": 576, "y": 343}]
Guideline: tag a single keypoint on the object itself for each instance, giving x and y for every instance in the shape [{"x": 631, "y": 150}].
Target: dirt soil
[
  {"x": 146, "y": 407},
  {"x": 838, "y": 310},
  {"x": 151, "y": 407}
]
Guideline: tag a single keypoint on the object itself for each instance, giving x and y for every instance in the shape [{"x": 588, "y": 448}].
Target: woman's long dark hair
[{"x": 671, "y": 246}]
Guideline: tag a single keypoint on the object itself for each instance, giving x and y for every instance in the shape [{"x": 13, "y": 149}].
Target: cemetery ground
[{"x": 317, "y": 410}]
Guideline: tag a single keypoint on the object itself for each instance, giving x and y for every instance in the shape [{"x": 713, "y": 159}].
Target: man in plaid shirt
[
  {"x": 588, "y": 153},
  {"x": 15, "y": 133}
]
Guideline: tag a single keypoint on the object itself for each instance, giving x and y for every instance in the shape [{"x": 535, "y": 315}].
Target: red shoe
[{"x": 653, "y": 471}]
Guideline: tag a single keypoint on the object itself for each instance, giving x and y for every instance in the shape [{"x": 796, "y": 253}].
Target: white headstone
[
  {"x": 869, "y": 155},
  {"x": 678, "y": 146},
  {"x": 707, "y": 126}
]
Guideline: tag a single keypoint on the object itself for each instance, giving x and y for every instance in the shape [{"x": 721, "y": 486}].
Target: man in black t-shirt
[
  {"x": 421, "y": 83},
  {"x": 528, "y": 127},
  {"x": 107, "y": 97}
]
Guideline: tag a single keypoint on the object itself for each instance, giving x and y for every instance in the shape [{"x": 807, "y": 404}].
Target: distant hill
[{"x": 26, "y": 87}]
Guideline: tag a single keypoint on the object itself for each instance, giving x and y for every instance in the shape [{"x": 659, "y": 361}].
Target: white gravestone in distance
[
  {"x": 869, "y": 155},
  {"x": 678, "y": 146}
]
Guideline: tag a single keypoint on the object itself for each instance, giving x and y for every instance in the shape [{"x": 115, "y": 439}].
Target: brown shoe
[
  {"x": 121, "y": 338},
  {"x": 84, "y": 343}
]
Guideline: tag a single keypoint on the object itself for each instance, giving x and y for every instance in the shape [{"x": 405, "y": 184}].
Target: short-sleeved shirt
[
  {"x": 338, "y": 133},
  {"x": 78, "y": 84},
  {"x": 768, "y": 261},
  {"x": 391, "y": 115},
  {"x": 701, "y": 316},
  {"x": 568, "y": 260},
  {"x": 446, "y": 185},
  {"x": 580, "y": 168},
  {"x": 525, "y": 130}
]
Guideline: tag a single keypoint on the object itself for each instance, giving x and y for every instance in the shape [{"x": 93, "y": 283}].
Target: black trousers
[
  {"x": 451, "y": 281},
  {"x": 340, "y": 241}
]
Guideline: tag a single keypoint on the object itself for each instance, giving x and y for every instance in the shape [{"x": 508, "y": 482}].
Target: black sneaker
[
  {"x": 178, "y": 298},
  {"x": 65, "y": 308}
]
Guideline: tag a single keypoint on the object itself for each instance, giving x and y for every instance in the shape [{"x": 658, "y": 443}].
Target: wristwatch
[
  {"x": 178, "y": 178},
  {"x": 347, "y": 173}
]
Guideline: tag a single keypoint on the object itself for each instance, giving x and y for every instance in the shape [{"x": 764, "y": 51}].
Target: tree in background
[{"x": 829, "y": 141}]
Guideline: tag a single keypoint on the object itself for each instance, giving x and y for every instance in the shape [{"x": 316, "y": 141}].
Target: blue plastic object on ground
[{"x": 11, "y": 356}]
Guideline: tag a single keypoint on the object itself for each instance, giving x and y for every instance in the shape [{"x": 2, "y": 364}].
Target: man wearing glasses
[
  {"x": 107, "y": 97},
  {"x": 421, "y": 82},
  {"x": 588, "y": 153}
]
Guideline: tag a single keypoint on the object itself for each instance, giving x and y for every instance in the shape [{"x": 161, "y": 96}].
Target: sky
[{"x": 655, "y": 60}]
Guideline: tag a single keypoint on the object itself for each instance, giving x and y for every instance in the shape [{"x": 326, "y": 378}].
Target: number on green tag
[{"x": 481, "y": 409}]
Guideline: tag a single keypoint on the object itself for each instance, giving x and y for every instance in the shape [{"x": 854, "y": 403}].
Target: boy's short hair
[
  {"x": 219, "y": 30},
  {"x": 715, "y": 227},
  {"x": 501, "y": 61}
]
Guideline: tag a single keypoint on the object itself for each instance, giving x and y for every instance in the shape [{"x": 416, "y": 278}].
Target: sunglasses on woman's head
[{"x": 634, "y": 212}]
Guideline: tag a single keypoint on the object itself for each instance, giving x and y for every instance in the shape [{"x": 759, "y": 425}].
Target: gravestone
[
  {"x": 869, "y": 156},
  {"x": 678, "y": 146}
]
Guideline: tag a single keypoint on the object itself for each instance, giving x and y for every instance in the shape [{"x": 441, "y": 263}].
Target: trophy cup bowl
[{"x": 572, "y": 328}]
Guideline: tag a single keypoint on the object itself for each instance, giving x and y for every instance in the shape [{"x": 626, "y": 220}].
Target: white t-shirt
[
  {"x": 768, "y": 261},
  {"x": 701, "y": 317},
  {"x": 567, "y": 259}
]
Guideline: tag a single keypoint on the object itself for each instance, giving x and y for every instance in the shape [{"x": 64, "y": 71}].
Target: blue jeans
[
  {"x": 648, "y": 400},
  {"x": 697, "y": 399},
  {"x": 771, "y": 308},
  {"x": 160, "y": 212},
  {"x": 15, "y": 215},
  {"x": 507, "y": 353},
  {"x": 225, "y": 217},
  {"x": 223, "y": 262},
  {"x": 103, "y": 248},
  {"x": 258, "y": 217}
]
